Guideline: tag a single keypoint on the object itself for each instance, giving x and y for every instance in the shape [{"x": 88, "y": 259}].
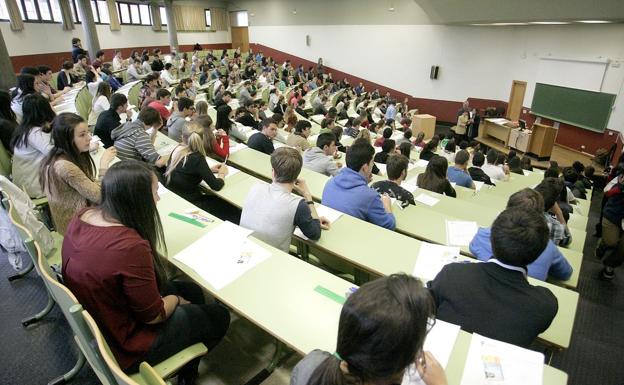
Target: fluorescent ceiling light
[
  {"x": 594, "y": 21},
  {"x": 496, "y": 24},
  {"x": 549, "y": 22}
]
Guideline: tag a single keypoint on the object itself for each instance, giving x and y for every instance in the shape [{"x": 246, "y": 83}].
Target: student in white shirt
[
  {"x": 494, "y": 170},
  {"x": 93, "y": 80},
  {"x": 100, "y": 103},
  {"x": 167, "y": 76},
  {"x": 117, "y": 61},
  {"x": 134, "y": 72},
  {"x": 146, "y": 67}
]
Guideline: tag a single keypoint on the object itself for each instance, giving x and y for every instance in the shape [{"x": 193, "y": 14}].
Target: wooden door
[
  {"x": 516, "y": 98},
  {"x": 240, "y": 38}
]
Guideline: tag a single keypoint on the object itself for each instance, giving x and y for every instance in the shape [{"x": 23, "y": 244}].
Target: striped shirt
[{"x": 132, "y": 142}]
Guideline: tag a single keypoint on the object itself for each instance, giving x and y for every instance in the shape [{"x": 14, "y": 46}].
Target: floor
[{"x": 36, "y": 354}]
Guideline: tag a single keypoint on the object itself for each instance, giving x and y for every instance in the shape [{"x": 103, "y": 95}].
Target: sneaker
[
  {"x": 608, "y": 273},
  {"x": 599, "y": 252}
]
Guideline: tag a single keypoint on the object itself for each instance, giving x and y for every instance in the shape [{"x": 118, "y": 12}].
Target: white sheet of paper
[
  {"x": 422, "y": 163},
  {"x": 440, "y": 342},
  {"x": 409, "y": 187},
  {"x": 432, "y": 258},
  {"x": 426, "y": 199},
  {"x": 460, "y": 233},
  {"x": 223, "y": 255},
  {"x": 526, "y": 172},
  {"x": 237, "y": 147},
  {"x": 322, "y": 211},
  {"x": 518, "y": 366},
  {"x": 162, "y": 190},
  {"x": 231, "y": 170},
  {"x": 478, "y": 185},
  {"x": 381, "y": 167}
]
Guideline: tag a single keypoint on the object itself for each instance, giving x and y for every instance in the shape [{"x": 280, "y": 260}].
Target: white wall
[{"x": 476, "y": 62}]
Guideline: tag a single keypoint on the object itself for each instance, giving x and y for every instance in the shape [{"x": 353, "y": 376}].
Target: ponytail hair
[
  {"x": 382, "y": 329},
  {"x": 192, "y": 141}
]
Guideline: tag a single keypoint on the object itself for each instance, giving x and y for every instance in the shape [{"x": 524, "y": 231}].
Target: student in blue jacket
[
  {"x": 349, "y": 191},
  {"x": 550, "y": 263}
]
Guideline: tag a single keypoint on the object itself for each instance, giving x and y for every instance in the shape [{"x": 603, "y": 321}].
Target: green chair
[
  {"x": 165, "y": 369},
  {"x": 5, "y": 161},
  {"x": 53, "y": 82},
  {"x": 84, "y": 102},
  {"x": 150, "y": 375},
  {"x": 133, "y": 95}
]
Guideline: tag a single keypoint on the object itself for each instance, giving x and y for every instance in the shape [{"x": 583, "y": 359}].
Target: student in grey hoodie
[
  {"x": 319, "y": 158},
  {"x": 133, "y": 142},
  {"x": 176, "y": 121}
]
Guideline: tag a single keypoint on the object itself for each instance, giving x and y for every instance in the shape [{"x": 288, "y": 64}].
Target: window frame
[
  {"x": 21, "y": 4},
  {"x": 163, "y": 21},
  {"x": 73, "y": 7},
  {"x": 132, "y": 21}
]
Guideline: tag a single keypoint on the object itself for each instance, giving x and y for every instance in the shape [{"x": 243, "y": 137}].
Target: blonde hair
[
  {"x": 192, "y": 141},
  {"x": 365, "y": 133},
  {"x": 205, "y": 121}
]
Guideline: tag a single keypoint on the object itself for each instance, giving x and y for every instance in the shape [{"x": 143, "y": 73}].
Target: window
[
  {"x": 208, "y": 18},
  {"x": 163, "y": 16},
  {"x": 46, "y": 11},
  {"x": 135, "y": 14},
  {"x": 4, "y": 12},
  {"x": 99, "y": 9}
]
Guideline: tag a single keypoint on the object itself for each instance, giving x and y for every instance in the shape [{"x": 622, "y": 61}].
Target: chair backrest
[
  {"x": 103, "y": 348},
  {"x": 5, "y": 161},
  {"x": 149, "y": 375},
  {"x": 133, "y": 94},
  {"x": 68, "y": 302},
  {"x": 84, "y": 101}
]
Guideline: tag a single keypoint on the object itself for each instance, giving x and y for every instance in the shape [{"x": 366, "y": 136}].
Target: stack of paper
[
  {"x": 231, "y": 170},
  {"x": 323, "y": 211},
  {"x": 440, "y": 342},
  {"x": 432, "y": 258},
  {"x": 223, "y": 255},
  {"x": 426, "y": 199},
  {"x": 460, "y": 233},
  {"x": 494, "y": 362}
]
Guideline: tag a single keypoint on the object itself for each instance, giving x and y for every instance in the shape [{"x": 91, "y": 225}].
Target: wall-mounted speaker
[
  {"x": 308, "y": 40},
  {"x": 434, "y": 72}
]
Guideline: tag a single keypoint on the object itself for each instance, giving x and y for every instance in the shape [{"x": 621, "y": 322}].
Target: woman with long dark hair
[
  {"x": 8, "y": 122},
  {"x": 112, "y": 262},
  {"x": 68, "y": 173},
  {"x": 434, "y": 178},
  {"x": 31, "y": 143},
  {"x": 224, "y": 121},
  {"x": 381, "y": 332},
  {"x": 216, "y": 143},
  {"x": 25, "y": 86},
  {"x": 101, "y": 102}
]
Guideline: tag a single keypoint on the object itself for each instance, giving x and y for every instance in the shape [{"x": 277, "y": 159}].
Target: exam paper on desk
[
  {"x": 460, "y": 233},
  {"x": 426, "y": 199},
  {"x": 223, "y": 255},
  {"x": 432, "y": 258},
  {"x": 231, "y": 170},
  {"x": 322, "y": 211},
  {"x": 494, "y": 362}
]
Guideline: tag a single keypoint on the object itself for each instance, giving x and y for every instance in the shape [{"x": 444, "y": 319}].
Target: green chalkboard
[{"x": 586, "y": 109}]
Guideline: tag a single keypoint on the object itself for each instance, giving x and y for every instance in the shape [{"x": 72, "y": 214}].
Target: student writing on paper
[
  {"x": 349, "y": 191},
  {"x": 381, "y": 332},
  {"x": 396, "y": 168},
  {"x": 187, "y": 168},
  {"x": 429, "y": 149},
  {"x": 299, "y": 138},
  {"x": 273, "y": 212},
  {"x": 495, "y": 298},
  {"x": 550, "y": 263},
  {"x": 458, "y": 173},
  {"x": 476, "y": 172},
  {"x": 175, "y": 124},
  {"x": 111, "y": 264},
  {"x": 110, "y": 119},
  {"x": 551, "y": 188},
  {"x": 387, "y": 148},
  {"x": 495, "y": 168},
  {"x": 68, "y": 174},
  {"x": 434, "y": 178},
  {"x": 133, "y": 142}
]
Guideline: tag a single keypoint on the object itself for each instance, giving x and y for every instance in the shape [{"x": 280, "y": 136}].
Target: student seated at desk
[
  {"x": 100, "y": 103},
  {"x": 319, "y": 158},
  {"x": 458, "y": 173},
  {"x": 133, "y": 142},
  {"x": 494, "y": 298},
  {"x": 572, "y": 182},
  {"x": 177, "y": 120},
  {"x": 163, "y": 99},
  {"x": 386, "y": 134},
  {"x": 434, "y": 178},
  {"x": 381, "y": 333},
  {"x": 428, "y": 152},
  {"x": 550, "y": 263},
  {"x": 476, "y": 173},
  {"x": 514, "y": 166},
  {"x": 551, "y": 188},
  {"x": 112, "y": 264},
  {"x": 263, "y": 141},
  {"x": 299, "y": 138},
  {"x": 396, "y": 168},
  {"x": 68, "y": 173},
  {"x": 187, "y": 168},
  {"x": 273, "y": 212},
  {"x": 110, "y": 119},
  {"x": 216, "y": 143},
  {"x": 494, "y": 168},
  {"x": 349, "y": 191},
  {"x": 449, "y": 151},
  {"x": 387, "y": 148}
]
